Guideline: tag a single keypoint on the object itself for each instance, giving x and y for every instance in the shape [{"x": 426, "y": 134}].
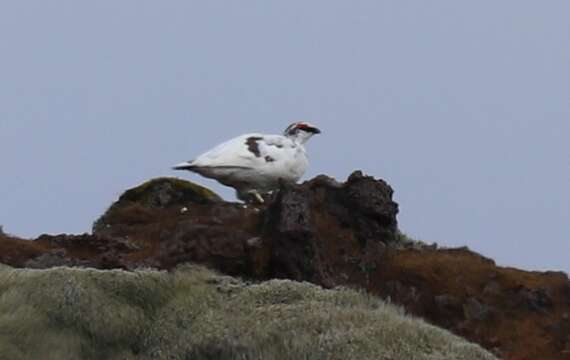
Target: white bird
[{"x": 254, "y": 164}]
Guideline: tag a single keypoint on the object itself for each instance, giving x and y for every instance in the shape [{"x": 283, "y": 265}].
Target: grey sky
[{"x": 463, "y": 107}]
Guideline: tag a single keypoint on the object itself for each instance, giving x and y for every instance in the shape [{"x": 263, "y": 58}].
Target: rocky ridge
[{"x": 327, "y": 233}]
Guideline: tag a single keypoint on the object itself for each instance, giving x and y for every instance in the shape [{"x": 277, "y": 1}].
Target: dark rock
[
  {"x": 566, "y": 293},
  {"x": 560, "y": 333},
  {"x": 209, "y": 245},
  {"x": 254, "y": 242},
  {"x": 53, "y": 259},
  {"x": 372, "y": 199},
  {"x": 306, "y": 224},
  {"x": 406, "y": 295},
  {"x": 362, "y": 203},
  {"x": 533, "y": 299},
  {"x": 474, "y": 310},
  {"x": 290, "y": 232},
  {"x": 82, "y": 250},
  {"x": 447, "y": 305},
  {"x": 493, "y": 288}
]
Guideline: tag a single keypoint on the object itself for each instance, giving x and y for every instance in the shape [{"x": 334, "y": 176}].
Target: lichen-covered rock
[{"x": 193, "y": 313}]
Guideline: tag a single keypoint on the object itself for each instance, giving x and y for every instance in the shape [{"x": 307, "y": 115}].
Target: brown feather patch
[{"x": 253, "y": 146}]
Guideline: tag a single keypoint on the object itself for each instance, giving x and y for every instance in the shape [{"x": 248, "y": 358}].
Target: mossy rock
[
  {"x": 159, "y": 193},
  {"x": 193, "y": 313},
  {"x": 165, "y": 192}
]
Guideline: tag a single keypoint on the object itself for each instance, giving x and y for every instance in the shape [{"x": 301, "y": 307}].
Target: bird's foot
[
  {"x": 257, "y": 196},
  {"x": 251, "y": 197}
]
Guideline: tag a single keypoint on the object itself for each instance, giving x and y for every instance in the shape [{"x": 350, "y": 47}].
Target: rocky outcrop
[{"x": 331, "y": 234}]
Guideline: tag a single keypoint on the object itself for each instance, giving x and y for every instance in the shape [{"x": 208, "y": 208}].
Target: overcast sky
[{"x": 463, "y": 107}]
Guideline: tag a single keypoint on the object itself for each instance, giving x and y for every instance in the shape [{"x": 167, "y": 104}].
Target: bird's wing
[
  {"x": 248, "y": 151},
  {"x": 275, "y": 148}
]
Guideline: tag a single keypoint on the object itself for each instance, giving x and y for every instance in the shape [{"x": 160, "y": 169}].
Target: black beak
[{"x": 314, "y": 130}]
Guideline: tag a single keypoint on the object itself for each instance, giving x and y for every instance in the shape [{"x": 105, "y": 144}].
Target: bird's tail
[{"x": 187, "y": 165}]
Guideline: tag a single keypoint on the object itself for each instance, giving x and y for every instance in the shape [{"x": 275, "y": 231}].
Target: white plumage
[{"x": 255, "y": 163}]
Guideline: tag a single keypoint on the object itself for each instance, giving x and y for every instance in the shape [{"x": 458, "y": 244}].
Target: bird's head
[{"x": 301, "y": 131}]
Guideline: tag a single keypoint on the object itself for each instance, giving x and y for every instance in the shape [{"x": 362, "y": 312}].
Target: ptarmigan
[{"x": 254, "y": 164}]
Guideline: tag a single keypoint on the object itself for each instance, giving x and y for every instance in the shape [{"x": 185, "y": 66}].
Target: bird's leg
[
  {"x": 269, "y": 195},
  {"x": 250, "y": 196},
  {"x": 256, "y": 195}
]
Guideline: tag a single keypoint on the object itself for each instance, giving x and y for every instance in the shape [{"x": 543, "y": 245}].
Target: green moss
[
  {"x": 66, "y": 313},
  {"x": 403, "y": 241},
  {"x": 158, "y": 193},
  {"x": 145, "y": 192}
]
